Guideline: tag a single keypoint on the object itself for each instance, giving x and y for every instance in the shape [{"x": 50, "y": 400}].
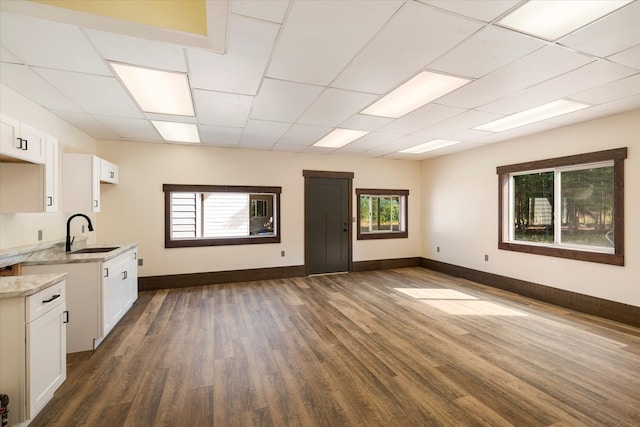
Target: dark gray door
[{"x": 328, "y": 225}]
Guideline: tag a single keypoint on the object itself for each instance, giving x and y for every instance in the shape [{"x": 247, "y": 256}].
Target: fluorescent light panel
[
  {"x": 177, "y": 132},
  {"x": 543, "y": 112},
  {"x": 436, "y": 144},
  {"x": 340, "y": 137},
  {"x": 551, "y": 20},
  {"x": 157, "y": 91},
  {"x": 420, "y": 90}
]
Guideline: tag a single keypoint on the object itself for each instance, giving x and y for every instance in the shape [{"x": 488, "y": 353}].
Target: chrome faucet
[{"x": 69, "y": 240}]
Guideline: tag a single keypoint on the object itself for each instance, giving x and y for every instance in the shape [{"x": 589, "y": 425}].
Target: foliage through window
[
  {"x": 382, "y": 214},
  {"x": 209, "y": 215},
  {"x": 568, "y": 207}
]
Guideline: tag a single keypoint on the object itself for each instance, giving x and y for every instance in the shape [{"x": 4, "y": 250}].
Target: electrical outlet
[
  {"x": 281, "y": 253},
  {"x": 139, "y": 262},
  {"x": 438, "y": 249},
  {"x": 486, "y": 257},
  {"x": 83, "y": 228},
  {"x": 39, "y": 235}
]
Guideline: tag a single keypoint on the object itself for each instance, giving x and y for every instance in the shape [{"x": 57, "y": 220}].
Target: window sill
[
  {"x": 559, "y": 252},
  {"x": 383, "y": 235}
]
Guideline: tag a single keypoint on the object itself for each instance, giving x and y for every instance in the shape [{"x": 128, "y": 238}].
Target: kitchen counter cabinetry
[
  {"x": 33, "y": 350},
  {"x": 21, "y": 141},
  {"x": 99, "y": 294},
  {"x": 30, "y": 187}
]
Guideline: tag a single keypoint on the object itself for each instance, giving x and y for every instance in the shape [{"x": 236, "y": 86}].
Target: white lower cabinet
[
  {"x": 99, "y": 295},
  {"x": 33, "y": 350}
]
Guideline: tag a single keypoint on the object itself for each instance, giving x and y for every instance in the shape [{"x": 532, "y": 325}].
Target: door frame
[{"x": 327, "y": 174}]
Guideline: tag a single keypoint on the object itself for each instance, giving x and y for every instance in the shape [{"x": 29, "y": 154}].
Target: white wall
[
  {"x": 133, "y": 210},
  {"x": 22, "y": 229},
  {"x": 460, "y": 209}
]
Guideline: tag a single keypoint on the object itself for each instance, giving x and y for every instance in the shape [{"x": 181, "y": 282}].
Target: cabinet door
[
  {"x": 51, "y": 174},
  {"x": 46, "y": 358},
  {"x": 33, "y": 143},
  {"x": 10, "y": 132},
  {"x": 109, "y": 172}
]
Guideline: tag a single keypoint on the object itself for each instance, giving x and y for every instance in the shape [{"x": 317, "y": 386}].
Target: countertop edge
[
  {"x": 24, "y": 286},
  {"x": 51, "y": 258}
]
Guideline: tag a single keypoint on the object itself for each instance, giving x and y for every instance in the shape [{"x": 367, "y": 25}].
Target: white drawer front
[{"x": 45, "y": 300}]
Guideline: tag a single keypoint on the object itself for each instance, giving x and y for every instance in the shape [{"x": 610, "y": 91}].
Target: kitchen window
[
  {"x": 214, "y": 215},
  {"x": 382, "y": 214},
  {"x": 568, "y": 207}
]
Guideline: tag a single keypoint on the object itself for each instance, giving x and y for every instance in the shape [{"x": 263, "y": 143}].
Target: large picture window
[
  {"x": 569, "y": 207},
  {"x": 382, "y": 214},
  {"x": 211, "y": 215}
]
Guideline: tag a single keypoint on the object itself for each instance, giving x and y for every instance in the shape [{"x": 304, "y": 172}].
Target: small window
[
  {"x": 382, "y": 214},
  {"x": 570, "y": 207},
  {"x": 210, "y": 215}
]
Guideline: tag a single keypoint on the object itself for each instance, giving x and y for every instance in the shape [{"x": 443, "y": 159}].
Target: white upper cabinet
[
  {"x": 30, "y": 187},
  {"x": 21, "y": 142},
  {"x": 80, "y": 183},
  {"x": 109, "y": 172}
]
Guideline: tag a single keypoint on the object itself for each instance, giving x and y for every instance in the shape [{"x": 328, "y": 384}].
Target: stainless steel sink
[{"x": 94, "y": 250}]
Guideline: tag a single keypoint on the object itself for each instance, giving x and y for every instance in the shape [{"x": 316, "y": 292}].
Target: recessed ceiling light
[
  {"x": 436, "y": 144},
  {"x": 551, "y": 20},
  {"x": 177, "y": 132},
  {"x": 420, "y": 90},
  {"x": 340, "y": 137},
  {"x": 542, "y": 112},
  {"x": 157, "y": 91}
]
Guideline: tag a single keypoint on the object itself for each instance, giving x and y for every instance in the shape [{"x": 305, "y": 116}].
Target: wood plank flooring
[{"x": 405, "y": 347}]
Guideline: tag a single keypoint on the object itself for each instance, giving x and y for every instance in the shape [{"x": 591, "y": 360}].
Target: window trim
[
  {"x": 617, "y": 156},
  {"x": 198, "y": 242},
  {"x": 383, "y": 234}
]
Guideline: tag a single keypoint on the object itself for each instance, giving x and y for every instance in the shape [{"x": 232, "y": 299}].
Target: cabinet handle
[
  {"x": 95, "y": 203},
  {"x": 26, "y": 145},
  {"x": 44, "y": 301},
  {"x": 65, "y": 319},
  {"x": 49, "y": 200},
  {"x": 106, "y": 272},
  {"x": 112, "y": 175},
  {"x": 124, "y": 275},
  {"x": 19, "y": 147}
]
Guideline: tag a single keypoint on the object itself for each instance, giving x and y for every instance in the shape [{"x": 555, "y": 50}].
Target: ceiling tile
[
  {"x": 88, "y": 124},
  {"x": 365, "y": 122},
  {"x": 34, "y": 87},
  {"x": 368, "y": 142},
  {"x": 590, "y": 76},
  {"x": 401, "y": 49},
  {"x": 219, "y": 136},
  {"x": 120, "y": 48},
  {"x": 298, "y": 137},
  {"x": 335, "y": 106},
  {"x": 267, "y": 10},
  {"x": 537, "y": 67},
  {"x": 222, "y": 109},
  {"x": 263, "y": 132},
  {"x": 421, "y": 118},
  {"x": 321, "y": 37},
  {"x": 282, "y": 101},
  {"x": 458, "y": 123},
  {"x": 484, "y": 10},
  {"x": 109, "y": 99},
  {"x": 611, "y": 34},
  {"x": 131, "y": 129},
  {"x": 486, "y": 51},
  {"x": 6, "y": 56},
  {"x": 49, "y": 44},
  {"x": 610, "y": 92},
  {"x": 629, "y": 57},
  {"x": 241, "y": 69}
]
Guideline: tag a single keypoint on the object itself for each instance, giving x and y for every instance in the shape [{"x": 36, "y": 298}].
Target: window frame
[
  {"x": 221, "y": 241},
  {"x": 583, "y": 254},
  {"x": 383, "y": 234}
]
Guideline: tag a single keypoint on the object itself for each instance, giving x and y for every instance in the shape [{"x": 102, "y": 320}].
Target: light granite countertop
[{"x": 23, "y": 286}]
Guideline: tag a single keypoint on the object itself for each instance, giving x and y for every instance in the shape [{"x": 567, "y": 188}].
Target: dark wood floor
[{"x": 406, "y": 347}]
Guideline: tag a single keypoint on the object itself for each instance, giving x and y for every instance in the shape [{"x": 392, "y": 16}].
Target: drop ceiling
[{"x": 290, "y": 72}]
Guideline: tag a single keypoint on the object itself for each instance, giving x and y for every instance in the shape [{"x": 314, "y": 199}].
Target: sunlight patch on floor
[{"x": 455, "y": 302}]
